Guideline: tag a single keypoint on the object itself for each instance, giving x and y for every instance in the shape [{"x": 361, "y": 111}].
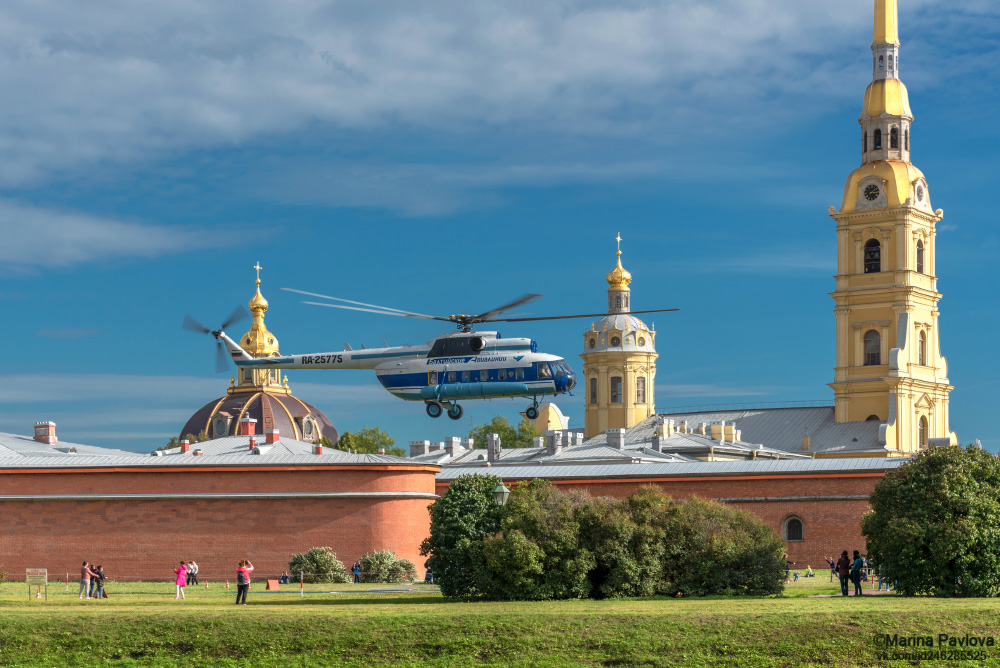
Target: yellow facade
[
  {"x": 619, "y": 363},
  {"x": 889, "y": 365}
]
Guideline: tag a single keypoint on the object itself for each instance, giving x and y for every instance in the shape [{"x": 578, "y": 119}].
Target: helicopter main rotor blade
[
  {"x": 581, "y": 315},
  {"x": 403, "y": 314},
  {"x": 523, "y": 299},
  {"x": 348, "y": 301},
  {"x": 221, "y": 359},
  {"x": 193, "y": 325},
  {"x": 238, "y": 314}
]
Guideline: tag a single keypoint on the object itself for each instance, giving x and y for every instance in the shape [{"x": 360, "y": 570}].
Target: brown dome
[{"x": 279, "y": 410}]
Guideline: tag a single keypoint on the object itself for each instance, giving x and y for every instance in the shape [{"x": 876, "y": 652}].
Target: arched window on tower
[
  {"x": 873, "y": 348},
  {"x": 878, "y": 139},
  {"x": 920, "y": 256},
  {"x": 873, "y": 256},
  {"x": 922, "y": 349},
  {"x": 640, "y": 390},
  {"x": 593, "y": 390},
  {"x": 922, "y": 432},
  {"x": 618, "y": 302},
  {"x": 881, "y": 63},
  {"x": 616, "y": 390},
  {"x": 890, "y": 62},
  {"x": 894, "y": 137},
  {"x": 793, "y": 529},
  {"x": 906, "y": 139},
  {"x": 864, "y": 142}
]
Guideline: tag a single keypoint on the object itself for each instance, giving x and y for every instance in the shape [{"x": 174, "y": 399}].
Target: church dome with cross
[{"x": 260, "y": 394}]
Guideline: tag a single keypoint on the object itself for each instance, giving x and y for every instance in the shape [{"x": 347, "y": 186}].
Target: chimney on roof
[
  {"x": 493, "y": 448},
  {"x": 253, "y": 442},
  {"x": 616, "y": 438},
  {"x": 684, "y": 427},
  {"x": 272, "y": 436},
  {"x": 468, "y": 443},
  {"x": 185, "y": 446},
  {"x": 805, "y": 439},
  {"x": 45, "y": 432},
  {"x": 553, "y": 442},
  {"x": 381, "y": 450},
  {"x": 453, "y": 445},
  {"x": 703, "y": 429},
  {"x": 718, "y": 431},
  {"x": 247, "y": 426},
  {"x": 418, "y": 448},
  {"x": 317, "y": 449},
  {"x": 197, "y": 452},
  {"x": 657, "y": 444}
]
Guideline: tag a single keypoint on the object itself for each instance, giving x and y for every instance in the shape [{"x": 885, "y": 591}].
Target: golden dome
[
  {"x": 619, "y": 278},
  {"x": 886, "y": 96},
  {"x": 898, "y": 177}
]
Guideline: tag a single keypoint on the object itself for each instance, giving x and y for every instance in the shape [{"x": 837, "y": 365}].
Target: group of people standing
[
  {"x": 92, "y": 581},
  {"x": 847, "y": 568}
]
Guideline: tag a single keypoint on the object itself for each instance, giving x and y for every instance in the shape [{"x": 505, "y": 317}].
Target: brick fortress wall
[
  {"x": 830, "y": 505},
  {"x": 145, "y": 538}
]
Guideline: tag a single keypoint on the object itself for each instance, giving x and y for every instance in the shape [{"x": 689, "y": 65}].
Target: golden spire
[
  {"x": 618, "y": 278},
  {"x": 257, "y": 303},
  {"x": 886, "y": 23}
]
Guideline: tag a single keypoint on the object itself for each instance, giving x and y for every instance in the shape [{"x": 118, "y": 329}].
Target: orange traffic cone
[
  {"x": 786, "y": 581},
  {"x": 206, "y": 585},
  {"x": 38, "y": 594},
  {"x": 227, "y": 584}
]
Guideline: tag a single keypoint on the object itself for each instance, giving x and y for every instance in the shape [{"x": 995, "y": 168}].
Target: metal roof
[{"x": 685, "y": 469}]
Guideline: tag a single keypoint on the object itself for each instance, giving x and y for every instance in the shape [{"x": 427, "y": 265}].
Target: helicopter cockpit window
[
  {"x": 560, "y": 370},
  {"x": 519, "y": 373},
  {"x": 432, "y": 377},
  {"x": 543, "y": 370}
]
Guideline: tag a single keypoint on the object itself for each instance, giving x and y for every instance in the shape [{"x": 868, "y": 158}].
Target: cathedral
[{"x": 890, "y": 380}]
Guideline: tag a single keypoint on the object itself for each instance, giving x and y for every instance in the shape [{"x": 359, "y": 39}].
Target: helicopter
[{"x": 466, "y": 365}]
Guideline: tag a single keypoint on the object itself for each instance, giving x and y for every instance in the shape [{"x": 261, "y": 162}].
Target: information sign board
[{"x": 37, "y": 576}]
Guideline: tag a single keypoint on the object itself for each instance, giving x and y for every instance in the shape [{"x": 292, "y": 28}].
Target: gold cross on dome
[
  {"x": 258, "y": 268},
  {"x": 619, "y": 240}
]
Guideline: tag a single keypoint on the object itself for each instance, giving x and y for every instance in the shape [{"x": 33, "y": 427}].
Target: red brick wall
[
  {"x": 829, "y": 525},
  {"x": 146, "y": 538}
]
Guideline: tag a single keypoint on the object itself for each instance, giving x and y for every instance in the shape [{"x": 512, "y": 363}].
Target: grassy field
[{"x": 142, "y": 625}]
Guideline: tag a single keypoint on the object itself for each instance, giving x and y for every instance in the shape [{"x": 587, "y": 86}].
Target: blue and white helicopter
[{"x": 464, "y": 365}]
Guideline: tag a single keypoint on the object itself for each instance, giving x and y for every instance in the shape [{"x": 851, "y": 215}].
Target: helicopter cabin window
[
  {"x": 593, "y": 390},
  {"x": 432, "y": 377},
  {"x": 873, "y": 256},
  {"x": 466, "y": 377},
  {"x": 519, "y": 373},
  {"x": 543, "y": 370},
  {"x": 451, "y": 377},
  {"x": 484, "y": 375},
  {"x": 616, "y": 390}
]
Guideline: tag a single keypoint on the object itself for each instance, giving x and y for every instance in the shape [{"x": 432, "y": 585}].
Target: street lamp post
[{"x": 501, "y": 494}]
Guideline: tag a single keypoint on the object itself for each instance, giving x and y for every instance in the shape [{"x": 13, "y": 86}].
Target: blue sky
[{"x": 448, "y": 156}]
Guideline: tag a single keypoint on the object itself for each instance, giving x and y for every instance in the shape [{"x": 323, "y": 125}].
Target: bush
[
  {"x": 933, "y": 524},
  {"x": 723, "y": 550},
  {"x": 319, "y": 564},
  {"x": 460, "y": 521},
  {"x": 384, "y": 566}
]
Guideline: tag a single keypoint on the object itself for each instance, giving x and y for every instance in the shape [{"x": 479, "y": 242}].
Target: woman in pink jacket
[{"x": 181, "y": 573}]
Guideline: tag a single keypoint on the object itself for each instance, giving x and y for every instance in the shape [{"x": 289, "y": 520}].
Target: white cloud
[
  {"x": 104, "y": 82},
  {"x": 34, "y": 237}
]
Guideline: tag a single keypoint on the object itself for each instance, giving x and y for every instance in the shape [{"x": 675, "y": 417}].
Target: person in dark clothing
[
  {"x": 356, "y": 570},
  {"x": 843, "y": 570},
  {"x": 833, "y": 567},
  {"x": 856, "y": 570}
]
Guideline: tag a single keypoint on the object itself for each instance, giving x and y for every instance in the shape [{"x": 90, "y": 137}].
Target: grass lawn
[{"x": 142, "y": 625}]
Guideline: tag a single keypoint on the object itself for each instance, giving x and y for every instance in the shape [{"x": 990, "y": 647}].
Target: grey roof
[
  {"x": 779, "y": 429},
  {"x": 684, "y": 469},
  {"x": 597, "y": 454},
  {"x": 17, "y": 452}
]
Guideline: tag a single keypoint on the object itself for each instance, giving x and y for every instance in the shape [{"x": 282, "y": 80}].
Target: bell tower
[
  {"x": 619, "y": 362},
  {"x": 889, "y": 365}
]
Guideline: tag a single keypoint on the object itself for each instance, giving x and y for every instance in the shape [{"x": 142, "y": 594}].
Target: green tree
[
  {"x": 460, "y": 521},
  {"x": 521, "y": 436},
  {"x": 367, "y": 441},
  {"x": 385, "y": 566},
  {"x": 934, "y": 527},
  {"x": 319, "y": 564}
]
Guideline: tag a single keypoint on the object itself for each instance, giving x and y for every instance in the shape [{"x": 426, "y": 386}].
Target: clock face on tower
[{"x": 871, "y": 193}]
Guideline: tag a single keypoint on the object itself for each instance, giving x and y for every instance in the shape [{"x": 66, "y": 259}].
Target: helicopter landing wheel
[
  {"x": 532, "y": 412},
  {"x": 455, "y": 412},
  {"x": 434, "y": 409}
]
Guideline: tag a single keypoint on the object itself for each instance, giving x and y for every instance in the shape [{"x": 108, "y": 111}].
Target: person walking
[
  {"x": 843, "y": 570},
  {"x": 193, "y": 571},
  {"x": 99, "y": 581},
  {"x": 833, "y": 567},
  {"x": 85, "y": 575},
  {"x": 856, "y": 570},
  {"x": 181, "y": 573},
  {"x": 243, "y": 581}
]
